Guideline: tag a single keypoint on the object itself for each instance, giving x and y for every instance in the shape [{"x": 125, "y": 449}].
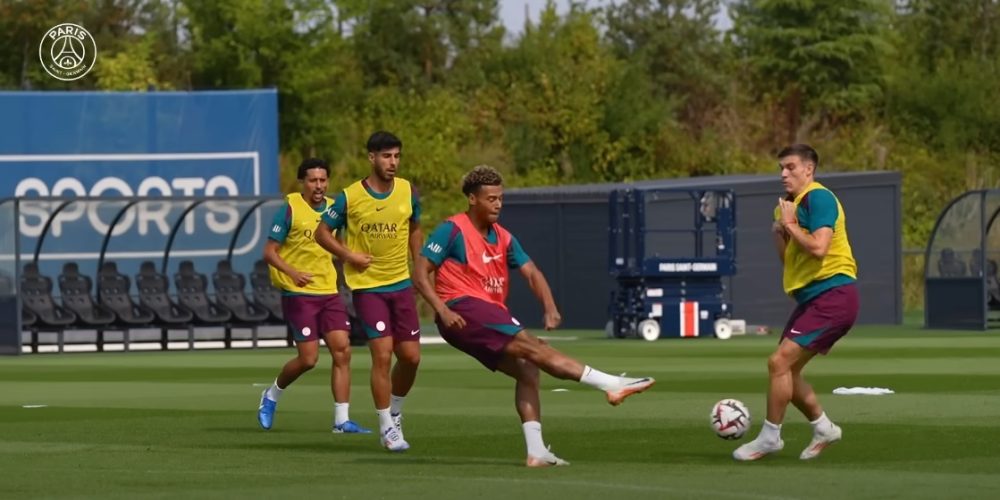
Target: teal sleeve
[
  {"x": 336, "y": 217},
  {"x": 822, "y": 209},
  {"x": 281, "y": 224},
  {"x": 415, "y": 196},
  {"x": 439, "y": 243},
  {"x": 516, "y": 256}
]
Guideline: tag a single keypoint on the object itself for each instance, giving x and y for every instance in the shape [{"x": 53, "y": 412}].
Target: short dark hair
[
  {"x": 804, "y": 151},
  {"x": 481, "y": 175},
  {"x": 382, "y": 140},
  {"x": 311, "y": 163}
]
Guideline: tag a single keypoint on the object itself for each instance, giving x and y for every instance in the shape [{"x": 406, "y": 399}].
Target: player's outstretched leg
[{"x": 555, "y": 363}]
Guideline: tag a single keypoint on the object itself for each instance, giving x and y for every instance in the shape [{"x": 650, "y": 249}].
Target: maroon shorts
[
  {"x": 488, "y": 330},
  {"x": 821, "y": 322},
  {"x": 385, "y": 314},
  {"x": 313, "y": 315}
]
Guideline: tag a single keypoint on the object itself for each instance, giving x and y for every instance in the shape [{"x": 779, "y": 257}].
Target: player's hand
[
  {"x": 452, "y": 320},
  {"x": 551, "y": 320},
  {"x": 788, "y": 216},
  {"x": 301, "y": 279},
  {"x": 778, "y": 228},
  {"x": 360, "y": 261}
]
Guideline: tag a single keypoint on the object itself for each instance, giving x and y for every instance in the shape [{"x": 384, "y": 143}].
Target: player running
[
  {"x": 304, "y": 273},
  {"x": 380, "y": 215},
  {"x": 471, "y": 254}
]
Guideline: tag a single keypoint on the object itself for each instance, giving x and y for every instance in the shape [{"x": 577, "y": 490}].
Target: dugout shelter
[{"x": 962, "y": 290}]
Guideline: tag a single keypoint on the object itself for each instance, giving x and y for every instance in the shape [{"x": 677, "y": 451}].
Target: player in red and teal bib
[{"x": 470, "y": 256}]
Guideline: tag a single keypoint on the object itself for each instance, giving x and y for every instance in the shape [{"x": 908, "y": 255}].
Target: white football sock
[
  {"x": 341, "y": 413},
  {"x": 770, "y": 432},
  {"x": 396, "y": 404},
  {"x": 598, "y": 379},
  {"x": 274, "y": 392},
  {"x": 533, "y": 438},
  {"x": 821, "y": 424},
  {"x": 384, "y": 420}
]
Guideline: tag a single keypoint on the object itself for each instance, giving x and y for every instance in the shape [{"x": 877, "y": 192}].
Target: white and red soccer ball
[{"x": 730, "y": 419}]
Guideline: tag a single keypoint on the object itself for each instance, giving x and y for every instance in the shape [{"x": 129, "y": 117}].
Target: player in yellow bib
[
  {"x": 380, "y": 215},
  {"x": 810, "y": 234},
  {"x": 304, "y": 273}
]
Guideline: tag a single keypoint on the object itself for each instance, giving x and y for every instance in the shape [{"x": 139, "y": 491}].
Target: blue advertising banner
[{"x": 216, "y": 144}]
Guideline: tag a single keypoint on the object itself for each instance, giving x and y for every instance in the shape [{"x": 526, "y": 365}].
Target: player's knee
[
  {"x": 410, "y": 359},
  {"x": 308, "y": 361},
  {"x": 776, "y": 363},
  {"x": 381, "y": 359},
  {"x": 342, "y": 354}
]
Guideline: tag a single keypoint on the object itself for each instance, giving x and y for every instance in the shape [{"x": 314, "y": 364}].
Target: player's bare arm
[
  {"x": 416, "y": 240},
  {"x": 540, "y": 287},
  {"x": 816, "y": 243},
  {"x": 272, "y": 258},
  {"x": 326, "y": 239},
  {"x": 423, "y": 269}
]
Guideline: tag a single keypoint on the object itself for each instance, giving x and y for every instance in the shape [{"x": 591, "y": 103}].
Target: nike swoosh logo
[
  {"x": 379, "y": 209},
  {"x": 414, "y": 332},
  {"x": 794, "y": 331},
  {"x": 489, "y": 258}
]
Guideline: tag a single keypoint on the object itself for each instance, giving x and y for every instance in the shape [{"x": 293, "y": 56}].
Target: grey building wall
[{"x": 565, "y": 231}]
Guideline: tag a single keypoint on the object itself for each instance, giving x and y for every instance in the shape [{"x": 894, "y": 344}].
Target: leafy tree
[
  {"x": 678, "y": 46},
  {"x": 817, "y": 58}
]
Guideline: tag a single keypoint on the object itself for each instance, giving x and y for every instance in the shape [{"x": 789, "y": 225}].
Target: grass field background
[{"x": 182, "y": 425}]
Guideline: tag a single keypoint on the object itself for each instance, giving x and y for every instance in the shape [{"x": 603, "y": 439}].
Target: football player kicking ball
[
  {"x": 471, "y": 254},
  {"x": 810, "y": 234}
]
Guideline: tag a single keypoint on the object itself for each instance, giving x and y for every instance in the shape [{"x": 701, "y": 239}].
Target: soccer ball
[{"x": 730, "y": 419}]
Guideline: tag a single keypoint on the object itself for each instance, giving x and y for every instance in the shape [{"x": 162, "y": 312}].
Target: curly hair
[
  {"x": 311, "y": 163},
  {"x": 480, "y": 175}
]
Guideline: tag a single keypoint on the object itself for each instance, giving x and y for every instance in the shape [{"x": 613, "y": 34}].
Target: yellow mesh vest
[
  {"x": 380, "y": 228},
  {"x": 301, "y": 251},
  {"x": 801, "y": 268}
]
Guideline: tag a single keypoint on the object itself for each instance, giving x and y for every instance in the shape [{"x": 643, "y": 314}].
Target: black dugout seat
[
  {"x": 264, "y": 293},
  {"x": 36, "y": 295},
  {"x": 114, "y": 293},
  {"x": 229, "y": 287},
  {"x": 192, "y": 294},
  {"x": 75, "y": 289},
  {"x": 154, "y": 294}
]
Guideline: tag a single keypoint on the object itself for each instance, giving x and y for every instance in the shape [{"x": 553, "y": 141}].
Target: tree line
[{"x": 634, "y": 90}]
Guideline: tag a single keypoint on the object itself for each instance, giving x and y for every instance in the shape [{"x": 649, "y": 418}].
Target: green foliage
[{"x": 819, "y": 57}]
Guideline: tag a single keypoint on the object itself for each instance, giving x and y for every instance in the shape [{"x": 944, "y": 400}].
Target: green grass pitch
[{"x": 182, "y": 425}]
